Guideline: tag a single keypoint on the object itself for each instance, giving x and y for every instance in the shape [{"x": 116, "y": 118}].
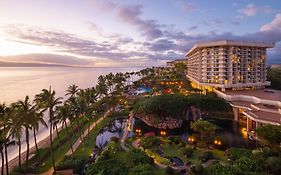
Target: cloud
[
  {"x": 131, "y": 14},
  {"x": 163, "y": 45},
  {"x": 49, "y": 59},
  {"x": 195, "y": 27},
  {"x": 274, "y": 25},
  {"x": 252, "y": 10},
  {"x": 185, "y": 6}
]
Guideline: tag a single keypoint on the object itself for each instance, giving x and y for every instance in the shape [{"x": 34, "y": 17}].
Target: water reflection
[
  {"x": 231, "y": 133},
  {"x": 113, "y": 129}
]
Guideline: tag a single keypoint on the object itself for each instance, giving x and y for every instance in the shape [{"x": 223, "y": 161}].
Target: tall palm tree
[
  {"x": 72, "y": 90},
  {"x": 63, "y": 114},
  {"x": 109, "y": 81},
  {"x": 101, "y": 87},
  {"x": 26, "y": 112},
  {"x": 119, "y": 80},
  {"x": 35, "y": 126},
  {"x": 46, "y": 100},
  {"x": 16, "y": 130},
  {"x": 5, "y": 122}
]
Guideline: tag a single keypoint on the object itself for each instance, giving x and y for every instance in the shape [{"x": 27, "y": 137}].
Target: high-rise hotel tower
[{"x": 228, "y": 64}]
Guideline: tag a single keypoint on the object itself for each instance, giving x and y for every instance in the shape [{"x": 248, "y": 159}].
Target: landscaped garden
[{"x": 175, "y": 129}]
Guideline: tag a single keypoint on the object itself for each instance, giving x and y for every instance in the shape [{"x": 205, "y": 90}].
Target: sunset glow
[{"x": 130, "y": 32}]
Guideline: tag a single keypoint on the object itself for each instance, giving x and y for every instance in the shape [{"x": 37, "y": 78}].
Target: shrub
[
  {"x": 237, "y": 153},
  {"x": 187, "y": 151},
  {"x": 245, "y": 164},
  {"x": 149, "y": 142},
  {"x": 205, "y": 156},
  {"x": 157, "y": 157},
  {"x": 71, "y": 162},
  {"x": 175, "y": 139},
  {"x": 219, "y": 169},
  {"x": 273, "y": 164},
  {"x": 197, "y": 169},
  {"x": 141, "y": 169},
  {"x": 181, "y": 144},
  {"x": 137, "y": 156},
  {"x": 114, "y": 139},
  {"x": 169, "y": 170}
]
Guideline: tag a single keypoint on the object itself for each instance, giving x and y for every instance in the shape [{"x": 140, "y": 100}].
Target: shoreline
[{"x": 41, "y": 144}]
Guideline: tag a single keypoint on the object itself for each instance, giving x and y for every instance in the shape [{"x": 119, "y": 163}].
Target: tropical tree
[
  {"x": 204, "y": 128},
  {"x": 72, "y": 90},
  {"x": 269, "y": 134},
  {"x": 110, "y": 81},
  {"x": 16, "y": 131},
  {"x": 101, "y": 87},
  {"x": 180, "y": 68},
  {"x": 38, "y": 119},
  {"x": 26, "y": 112},
  {"x": 5, "y": 122},
  {"x": 119, "y": 81},
  {"x": 2, "y": 145},
  {"x": 63, "y": 115},
  {"x": 46, "y": 100}
]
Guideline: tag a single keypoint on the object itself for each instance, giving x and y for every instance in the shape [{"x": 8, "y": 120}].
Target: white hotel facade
[
  {"x": 228, "y": 65},
  {"x": 236, "y": 71}
]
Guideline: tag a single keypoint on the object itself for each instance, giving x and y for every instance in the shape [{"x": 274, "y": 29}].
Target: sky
[{"x": 122, "y": 33}]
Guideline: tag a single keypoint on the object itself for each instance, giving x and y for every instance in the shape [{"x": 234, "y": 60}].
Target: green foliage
[
  {"x": 175, "y": 105},
  {"x": 205, "y": 156},
  {"x": 218, "y": 169},
  {"x": 237, "y": 153},
  {"x": 245, "y": 164},
  {"x": 137, "y": 156},
  {"x": 209, "y": 102},
  {"x": 169, "y": 170},
  {"x": 174, "y": 139},
  {"x": 72, "y": 162},
  {"x": 273, "y": 164},
  {"x": 107, "y": 167},
  {"x": 205, "y": 128},
  {"x": 269, "y": 134},
  {"x": 149, "y": 142},
  {"x": 162, "y": 105},
  {"x": 273, "y": 75},
  {"x": 197, "y": 169},
  {"x": 157, "y": 157},
  {"x": 141, "y": 169},
  {"x": 187, "y": 151}
]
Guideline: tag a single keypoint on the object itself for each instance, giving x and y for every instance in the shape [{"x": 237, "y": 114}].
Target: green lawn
[
  {"x": 172, "y": 150},
  {"x": 59, "y": 152},
  {"x": 85, "y": 150}
]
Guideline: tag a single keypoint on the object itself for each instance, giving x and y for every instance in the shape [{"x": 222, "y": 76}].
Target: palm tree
[
  {"x": 101, "y": 87},
  {"x": 119, "y": 80},
  {"x": 72, "y": 90},
  {"x": 35, "y": 126},
  {"x": 2, "y": 143},
  {"x": 26, "y": 112},
  {"x": 109, "y": 81},
  {"x": 16, "y": 129},
  {"x": 5, "y": 122},
  {"x": 63, "y": 114},
  {"x": 46, "y": 100}
]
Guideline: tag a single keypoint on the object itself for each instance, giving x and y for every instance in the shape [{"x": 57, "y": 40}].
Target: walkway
[
  {"x": 86, "y": 132},
  {"x": 78, "y": 141},
  {"x": 127, "y": 130}
]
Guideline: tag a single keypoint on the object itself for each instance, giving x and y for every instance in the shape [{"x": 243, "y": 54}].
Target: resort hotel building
[{"x": 236, "y": 71}]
